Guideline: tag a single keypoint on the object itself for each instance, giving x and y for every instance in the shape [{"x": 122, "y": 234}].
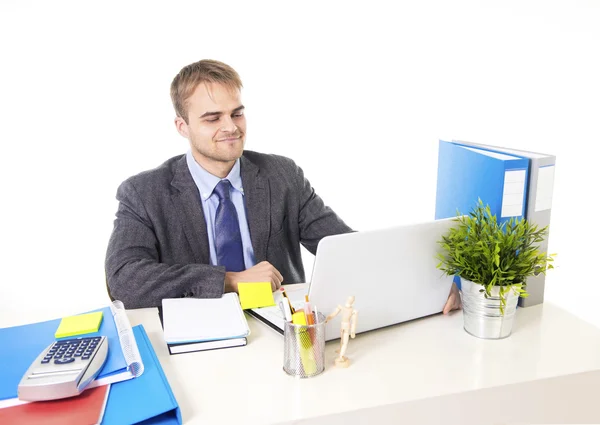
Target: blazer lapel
[
  {"x": 257, "y": 199},
  {"x": 188, "y": 209}
]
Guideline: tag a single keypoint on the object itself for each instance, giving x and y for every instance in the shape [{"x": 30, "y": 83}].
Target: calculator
[{"x": 64, "y": 369}]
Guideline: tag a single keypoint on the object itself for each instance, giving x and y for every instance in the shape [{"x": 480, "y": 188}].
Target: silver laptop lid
[{"x": 391, "y": 272}]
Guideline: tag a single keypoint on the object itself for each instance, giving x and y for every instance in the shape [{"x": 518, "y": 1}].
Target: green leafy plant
[{"x": 489, "y": 254}]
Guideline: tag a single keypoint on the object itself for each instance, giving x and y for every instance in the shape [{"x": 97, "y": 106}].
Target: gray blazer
[{"x": 159, "y": 245}]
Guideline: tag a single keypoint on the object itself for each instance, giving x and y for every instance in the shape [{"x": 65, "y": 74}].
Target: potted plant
[{"x": 493, "y": 262}]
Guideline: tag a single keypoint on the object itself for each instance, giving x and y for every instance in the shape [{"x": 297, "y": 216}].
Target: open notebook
[
  {"x": 195, "y": 324},
  {"x": 273, "y": 316}
]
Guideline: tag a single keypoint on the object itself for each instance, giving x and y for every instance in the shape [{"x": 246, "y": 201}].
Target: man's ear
[{"x": 182, "y": 127}]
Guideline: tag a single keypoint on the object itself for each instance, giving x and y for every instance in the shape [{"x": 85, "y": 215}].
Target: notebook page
[{"x": 203, "y": 319}]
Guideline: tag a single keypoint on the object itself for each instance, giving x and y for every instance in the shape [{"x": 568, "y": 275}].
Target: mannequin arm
[
  {"x": 353, "y": 321},
  {"x": 335, "y": 313}
]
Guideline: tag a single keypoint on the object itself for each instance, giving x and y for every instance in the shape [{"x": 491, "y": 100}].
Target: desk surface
[{"x": 418, "y": 360}]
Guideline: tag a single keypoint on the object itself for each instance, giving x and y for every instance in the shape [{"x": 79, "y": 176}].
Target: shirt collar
[{"x": 206, "y": 182}]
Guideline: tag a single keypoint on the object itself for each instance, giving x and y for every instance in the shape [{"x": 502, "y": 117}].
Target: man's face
[{"x": 216, "y": 126}]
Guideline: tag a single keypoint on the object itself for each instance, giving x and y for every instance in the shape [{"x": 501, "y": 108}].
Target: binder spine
[
  {"x": 130, "y": 349},
  {"x": 150, "y": 350},
  {"x": 538, "y": 213}
]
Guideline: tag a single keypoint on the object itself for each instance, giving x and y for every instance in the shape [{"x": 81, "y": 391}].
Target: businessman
[{"x": 201, "y": 222}]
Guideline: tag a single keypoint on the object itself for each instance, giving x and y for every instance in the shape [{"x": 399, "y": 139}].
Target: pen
[
  {"x": 287, "y": 314},
  {"x": 292, "y": 309}
]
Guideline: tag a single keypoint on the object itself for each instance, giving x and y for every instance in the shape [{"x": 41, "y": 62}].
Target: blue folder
[
  {"x": 22, "y": 344},
  {"x": 147, "y": 399},
  {"x": 467, "y": 174}
]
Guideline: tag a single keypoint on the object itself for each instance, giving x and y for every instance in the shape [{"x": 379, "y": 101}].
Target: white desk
[{"x": 425, "y": 371}]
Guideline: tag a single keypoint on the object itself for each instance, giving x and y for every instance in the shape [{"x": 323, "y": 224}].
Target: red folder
[{"x": 86, "y": 408}]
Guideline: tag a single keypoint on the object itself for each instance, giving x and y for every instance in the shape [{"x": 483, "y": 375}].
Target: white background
[{"x": 358, "y": 93}]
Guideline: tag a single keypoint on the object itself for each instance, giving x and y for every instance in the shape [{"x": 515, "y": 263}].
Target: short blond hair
[{"x": 204, "y": 71}]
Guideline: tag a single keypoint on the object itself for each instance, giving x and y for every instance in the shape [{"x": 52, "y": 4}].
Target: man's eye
[
  {"x": 213, "y": 120},
  {"x": 238, "y": 114}
]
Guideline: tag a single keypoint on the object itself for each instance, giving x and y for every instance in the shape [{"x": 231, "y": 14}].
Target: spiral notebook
[{"x": 27, "y": 341}]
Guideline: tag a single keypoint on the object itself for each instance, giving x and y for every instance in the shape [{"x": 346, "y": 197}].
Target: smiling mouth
[{"x": 230, "y": 139}]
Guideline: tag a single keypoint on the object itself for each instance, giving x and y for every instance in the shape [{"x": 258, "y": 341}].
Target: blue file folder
[
  {"x": 540, "y": 183},
  {"x": 147, "y": 399},
  {"x": 22, "y": 344},
  {"x": 467, "y": 174}
]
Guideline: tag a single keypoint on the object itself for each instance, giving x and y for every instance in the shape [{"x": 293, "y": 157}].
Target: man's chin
[
  {"x": 230, "y": 154},
  {"x": 219, "y": 153}
]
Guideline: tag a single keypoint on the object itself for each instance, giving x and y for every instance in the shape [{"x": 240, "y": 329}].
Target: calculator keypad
[{"x": 67, "y": 350}]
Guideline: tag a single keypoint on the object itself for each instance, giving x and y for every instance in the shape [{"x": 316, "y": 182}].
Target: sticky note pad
[
  {"x": 255, "y": 294},
  {"x": 79, "y": 325}
]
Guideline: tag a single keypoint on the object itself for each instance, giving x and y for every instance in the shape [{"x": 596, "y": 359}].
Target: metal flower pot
[{"x": 482, "y": 316}]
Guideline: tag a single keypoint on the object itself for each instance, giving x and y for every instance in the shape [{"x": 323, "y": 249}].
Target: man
[{"x": 201, "y": 222}]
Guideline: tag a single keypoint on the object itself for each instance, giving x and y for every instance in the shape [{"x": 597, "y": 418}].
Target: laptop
[{"x": 391, "y": 273}]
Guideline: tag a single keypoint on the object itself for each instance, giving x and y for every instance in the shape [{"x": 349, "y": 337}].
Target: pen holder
[{"x": 304, "y": 348}]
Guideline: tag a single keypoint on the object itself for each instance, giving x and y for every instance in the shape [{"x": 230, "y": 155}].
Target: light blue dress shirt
[{"x": 206, "y": 184}]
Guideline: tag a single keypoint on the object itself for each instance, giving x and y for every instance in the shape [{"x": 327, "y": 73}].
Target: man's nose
[{"x": 228, "y": 125}]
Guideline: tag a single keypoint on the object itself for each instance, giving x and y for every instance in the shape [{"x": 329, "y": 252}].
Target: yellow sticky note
[
  {"x": 79, "y": 325},
  {"x": 255, "y": 294}
]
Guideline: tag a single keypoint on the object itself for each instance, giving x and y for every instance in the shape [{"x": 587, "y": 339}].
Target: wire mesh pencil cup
[{"x": 304, "y": 348}]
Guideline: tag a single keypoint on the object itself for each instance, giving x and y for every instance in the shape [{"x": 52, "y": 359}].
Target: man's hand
[
  {"x": 453, "y": 302},
  {"x": 262, "y": 272}
]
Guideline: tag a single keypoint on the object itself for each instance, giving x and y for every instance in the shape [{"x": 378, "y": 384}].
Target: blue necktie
[{"x": 228, "y": 239}]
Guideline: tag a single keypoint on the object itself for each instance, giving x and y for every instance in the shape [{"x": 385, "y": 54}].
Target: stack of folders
[
  {"x": 130, "y": 388},
  {"x": 27, "y": 341},
  {"x": 514, "y": 183},
  {"x": 197, "y": 324}
]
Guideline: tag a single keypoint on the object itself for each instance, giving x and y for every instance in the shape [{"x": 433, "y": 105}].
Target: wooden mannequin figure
[{"x": 347, "y": 329}]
